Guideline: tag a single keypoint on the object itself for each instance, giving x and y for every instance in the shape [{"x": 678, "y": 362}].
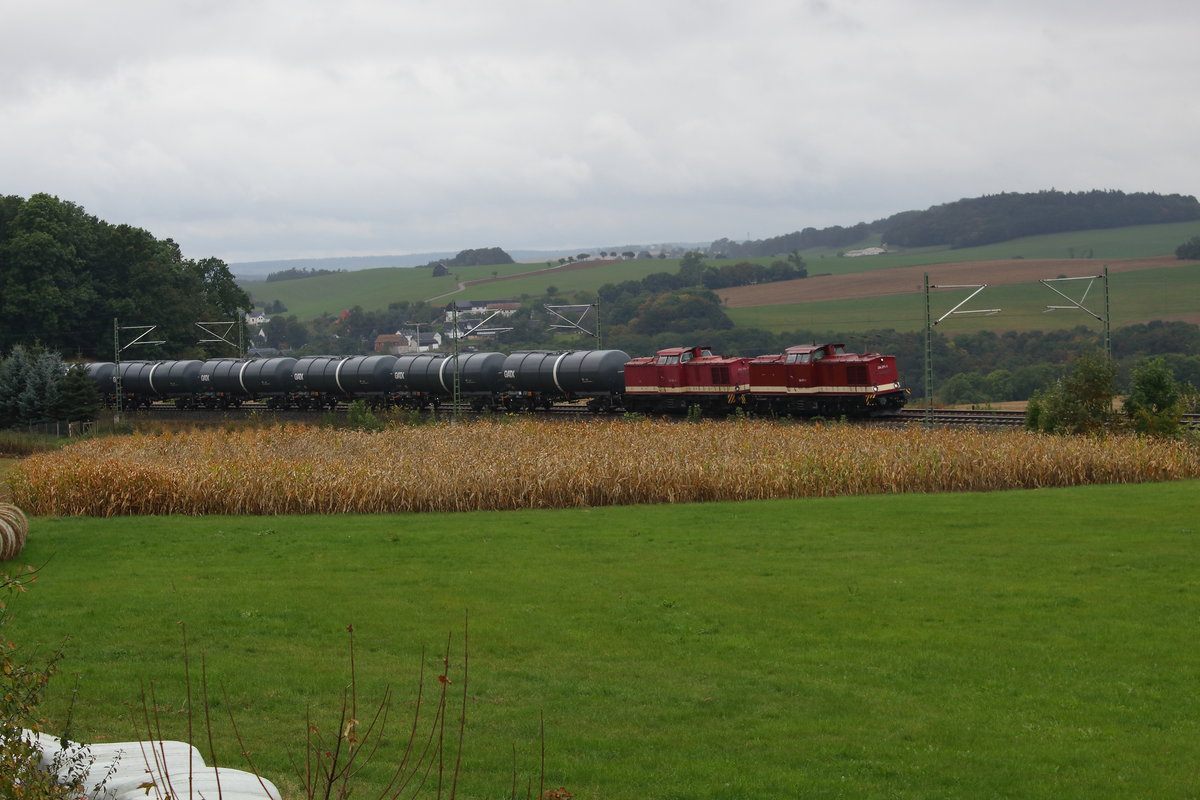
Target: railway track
[
  {"x": 984, "y": 418},
  {"x": 990, "y": 418}
]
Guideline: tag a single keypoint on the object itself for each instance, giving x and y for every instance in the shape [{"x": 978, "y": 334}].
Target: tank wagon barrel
[
  {"x": 478, "y": 373},
  {"x": 372, "y": 375},
  {"x": 178, "y": 377},
  {"x": 371, "y": 378},
  {"x": 268, "y": 376},
  {"x": 220, "y": 382},
  {"x": 137, "y": 378},
  {"x": 316, "y": 379},
  {"x": 419, "y": 375},
  {"x": 103, "y": 374},
  {"x": 539, "y": 378}
]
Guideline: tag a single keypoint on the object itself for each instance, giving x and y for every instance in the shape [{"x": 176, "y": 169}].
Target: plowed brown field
[{"x": 905, "y": 280}]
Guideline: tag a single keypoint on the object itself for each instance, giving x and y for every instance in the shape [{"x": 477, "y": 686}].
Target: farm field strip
[
  {"x": 528, "y": 463},
  {"x": 908, "y": 280},
  {"x": 1138, "y": 296}
]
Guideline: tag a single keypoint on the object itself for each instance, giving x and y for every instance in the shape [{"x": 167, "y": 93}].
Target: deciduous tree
[{"x": 1079, "y": 402}]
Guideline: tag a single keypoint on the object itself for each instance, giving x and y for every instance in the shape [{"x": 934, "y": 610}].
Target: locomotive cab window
[
  {"x": 667, "y": 360},
  {"x": 686, "y": 357},
  {"x": 705, "y": 353}
]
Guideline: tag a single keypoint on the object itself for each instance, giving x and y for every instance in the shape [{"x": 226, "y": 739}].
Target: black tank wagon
[
  {"x": 425, "y": 379},
  {"x": 540, "y": 378}
]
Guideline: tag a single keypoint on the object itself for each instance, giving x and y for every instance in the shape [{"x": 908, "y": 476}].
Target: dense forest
[
  {"x": 836, "y": 237},
  {"x": 984, "y": 220},
  {"x": 65, "y": 276}
]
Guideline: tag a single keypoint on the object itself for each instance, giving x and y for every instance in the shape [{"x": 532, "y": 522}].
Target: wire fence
[{"x": 62, "y": 429}]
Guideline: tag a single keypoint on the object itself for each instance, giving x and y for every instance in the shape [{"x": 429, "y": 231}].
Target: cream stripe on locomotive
[
  {"x": 886, "y": 387},
  {"x": 708, "y": 389}
]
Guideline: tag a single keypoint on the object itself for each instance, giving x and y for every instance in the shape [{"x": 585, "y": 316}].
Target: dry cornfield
[{"x": 486, "y": 465}]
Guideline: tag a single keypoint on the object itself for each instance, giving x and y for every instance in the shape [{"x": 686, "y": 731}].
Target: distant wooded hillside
[
  {"x": 482, "y": 256},
  {"x": 984, "y": 220},
  {"x": 293, "y": 274}
]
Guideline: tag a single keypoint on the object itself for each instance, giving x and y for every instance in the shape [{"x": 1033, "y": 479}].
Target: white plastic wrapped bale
[
  {"x": 14, "y": 531},
  {"x": 153, "y": 770}
]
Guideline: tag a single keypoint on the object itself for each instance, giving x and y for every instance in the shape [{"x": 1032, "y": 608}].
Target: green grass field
[
  {"x": 375, "y": 289},
  {"x": 1032, "y": 644},
  {"x": 1133, "y": 297}
]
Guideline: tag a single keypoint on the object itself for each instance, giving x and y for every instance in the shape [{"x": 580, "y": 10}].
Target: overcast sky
[{"x": 264, "y": 129}]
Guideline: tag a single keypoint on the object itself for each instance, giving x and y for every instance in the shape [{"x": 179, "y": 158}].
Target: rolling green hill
[
  {"x": 1135, "y": 297},
  {"x": 375, "y": 289}
]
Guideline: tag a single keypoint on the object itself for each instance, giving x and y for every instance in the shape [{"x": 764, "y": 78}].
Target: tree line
[
  {"x": 684, "y": 301},
  {"x": 1081, "y": 401},
  {"x": 983, "y": 220},
  {"x": 294, "y": 273},
  {"x": 36, "y": 386},
  {"x": 1000, "y": 217},
  {"x": 66, "y": 275},
  {"x": 835, "y": 236}
]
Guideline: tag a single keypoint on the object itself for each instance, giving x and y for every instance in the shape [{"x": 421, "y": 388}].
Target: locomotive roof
[
  {"x": 808, "y": 348},
  {"x": 678, "y": 351}
]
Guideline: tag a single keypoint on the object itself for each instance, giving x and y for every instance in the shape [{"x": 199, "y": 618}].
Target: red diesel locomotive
[
  {"x": 679, "y": 377},
  {"x": 806, "y": 379}
]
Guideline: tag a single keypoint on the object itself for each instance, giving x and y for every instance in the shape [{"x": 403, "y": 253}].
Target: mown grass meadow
[{"x": 1033, "y": 644}]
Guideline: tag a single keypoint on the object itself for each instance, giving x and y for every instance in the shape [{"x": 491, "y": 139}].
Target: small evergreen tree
[
  {"x": 41, "y": 396},
  {"x": 79, "y": 399},
  {"x": 14, "y": 374}
]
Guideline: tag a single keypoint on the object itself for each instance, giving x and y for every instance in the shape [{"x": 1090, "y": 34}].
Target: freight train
[{"x": 804, "y": 380}]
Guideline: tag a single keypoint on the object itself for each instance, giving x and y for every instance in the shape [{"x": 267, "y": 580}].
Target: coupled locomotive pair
[{"x": 807, "y": 379}]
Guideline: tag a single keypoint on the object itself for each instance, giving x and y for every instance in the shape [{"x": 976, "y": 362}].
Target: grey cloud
[{"x": 265, "y": 129}]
